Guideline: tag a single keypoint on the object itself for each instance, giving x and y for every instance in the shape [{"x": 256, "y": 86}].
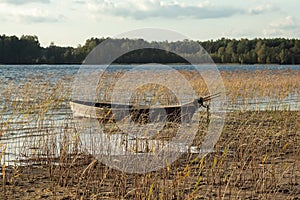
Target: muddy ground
[{"x": 256, "y": 157}]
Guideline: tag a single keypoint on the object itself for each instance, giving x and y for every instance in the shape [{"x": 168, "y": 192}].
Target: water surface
[{"x": 23, "y": 134}]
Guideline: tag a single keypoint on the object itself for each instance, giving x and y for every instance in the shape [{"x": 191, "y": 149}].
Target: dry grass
[
  {"x": 256, "y": 157},
  {"x": 271, "y": 84}
]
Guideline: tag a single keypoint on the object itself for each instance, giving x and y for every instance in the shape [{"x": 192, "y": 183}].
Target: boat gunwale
[{"x": 131, "y": 106}]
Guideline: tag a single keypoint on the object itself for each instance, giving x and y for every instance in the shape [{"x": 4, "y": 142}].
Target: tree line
[{"x": 27, "y": 50}]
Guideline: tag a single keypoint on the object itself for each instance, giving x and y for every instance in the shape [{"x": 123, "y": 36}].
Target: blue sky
[{"x": 71, "y": 22}]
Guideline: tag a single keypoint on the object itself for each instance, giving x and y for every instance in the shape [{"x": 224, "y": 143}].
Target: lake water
[
  {"x": 23, "y": 134},
  {"x": 20, "y": 72}
]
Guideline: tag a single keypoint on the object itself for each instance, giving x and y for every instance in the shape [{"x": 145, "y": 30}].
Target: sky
[{"x": 72, "y": 22}]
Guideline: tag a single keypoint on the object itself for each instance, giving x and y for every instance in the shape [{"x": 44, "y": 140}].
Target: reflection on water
[
  {"x": 28, "y": 133},
  {"x": 291, "y": 103}
]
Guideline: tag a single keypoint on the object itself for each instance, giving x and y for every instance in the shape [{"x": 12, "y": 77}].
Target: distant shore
[{"x": 27, "y": 50}]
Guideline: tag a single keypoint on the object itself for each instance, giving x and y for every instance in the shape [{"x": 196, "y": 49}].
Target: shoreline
[{"x": 257, "y": 155}]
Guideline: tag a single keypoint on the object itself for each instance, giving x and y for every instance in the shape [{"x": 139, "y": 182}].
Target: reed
[{"x": 256, "y": 157}]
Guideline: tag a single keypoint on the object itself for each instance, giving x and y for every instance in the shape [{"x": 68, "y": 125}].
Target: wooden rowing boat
[{"x": 111, "y": 112}]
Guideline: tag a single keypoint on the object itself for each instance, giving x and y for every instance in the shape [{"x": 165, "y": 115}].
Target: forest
[{"x": 27, "y": 50}]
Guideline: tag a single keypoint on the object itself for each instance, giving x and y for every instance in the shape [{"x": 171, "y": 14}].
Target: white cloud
[
  {"x": 156, "y": 8},
  {"x": 287, "y": 27},
  {"x": 269, "y": 32},
  {"x": 14, "y": 14},
  {"x": 261, "y": 9},
  {"x": 38, "y": 16},
  {"x": 79, "y": 1},
  {"x": 21, "y": 2},
  {"x": 287, "y": 23}
]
